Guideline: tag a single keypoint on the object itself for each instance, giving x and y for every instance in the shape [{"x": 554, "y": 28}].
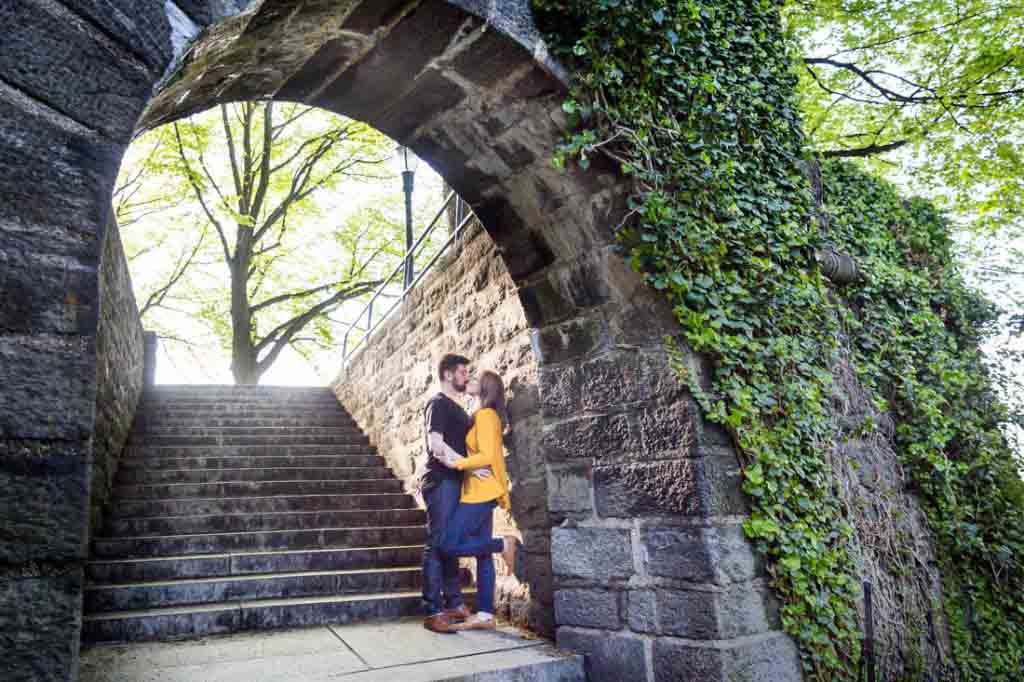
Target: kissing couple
[{"x": 465, "y": 480}]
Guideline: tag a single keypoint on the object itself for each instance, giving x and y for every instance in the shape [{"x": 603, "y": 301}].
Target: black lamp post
[{"x": 407, "y": 162}]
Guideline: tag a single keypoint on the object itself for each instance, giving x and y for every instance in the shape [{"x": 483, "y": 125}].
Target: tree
[
  {"x": 252, "y": 173},
  {"x": 929, "y": 92}
]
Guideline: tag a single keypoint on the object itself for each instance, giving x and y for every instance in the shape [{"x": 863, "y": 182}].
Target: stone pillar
[
  {"x": 74, "y": 78},
  {"x": 149, "y": 359}
]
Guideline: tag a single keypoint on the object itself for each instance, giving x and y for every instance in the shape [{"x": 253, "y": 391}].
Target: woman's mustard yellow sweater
[{"x": 484, "y": 449}]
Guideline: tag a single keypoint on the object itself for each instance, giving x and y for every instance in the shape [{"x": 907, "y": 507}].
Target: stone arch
[{"x": 651, "y": 574}]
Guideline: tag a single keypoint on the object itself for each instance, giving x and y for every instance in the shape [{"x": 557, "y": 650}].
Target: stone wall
[
  {"x": 629, "y": 503},
  {"x": 467, "y": 305},
  {"x": 652, "y": 579},
  {"x": 119, "y": 369},
  {"x": 893, "y": 546}
]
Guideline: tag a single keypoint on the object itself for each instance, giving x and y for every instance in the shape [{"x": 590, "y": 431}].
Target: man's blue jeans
[
  {"x": 440, "y": 573},
  {"x": 469, "y": 534}
]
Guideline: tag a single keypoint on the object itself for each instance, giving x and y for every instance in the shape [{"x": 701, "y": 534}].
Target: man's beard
[{"x": 460, "y": 389}]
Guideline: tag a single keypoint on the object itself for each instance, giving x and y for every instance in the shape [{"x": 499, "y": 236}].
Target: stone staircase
[{"x": 247, "y": 508}]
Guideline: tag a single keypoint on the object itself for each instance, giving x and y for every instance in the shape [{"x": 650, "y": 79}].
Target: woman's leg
[
  {"x": 486, "y": 580},
  {"x": 466, "y": 534}
]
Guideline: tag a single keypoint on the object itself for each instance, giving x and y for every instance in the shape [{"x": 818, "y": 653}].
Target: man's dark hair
[{"x": 448, "y": 364}]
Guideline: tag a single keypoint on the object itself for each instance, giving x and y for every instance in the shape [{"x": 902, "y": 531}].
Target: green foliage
[
  {"x": 694, "y": 99},
  {"x": 941, "y": 81},
  {"x": 252, "y": 228},
  {"x": 916, "y": 330}
]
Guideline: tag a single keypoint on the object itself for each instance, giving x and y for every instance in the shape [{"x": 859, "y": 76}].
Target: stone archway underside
[{"x": 651, "y": 575}]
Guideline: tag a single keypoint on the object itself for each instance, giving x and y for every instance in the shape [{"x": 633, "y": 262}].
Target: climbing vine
[
  {"x": 694, "y": 99},
  {"x": 916, "y": 331}
]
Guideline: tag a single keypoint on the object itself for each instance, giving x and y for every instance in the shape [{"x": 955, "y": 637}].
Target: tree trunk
[{"x": 244, "y": 364}]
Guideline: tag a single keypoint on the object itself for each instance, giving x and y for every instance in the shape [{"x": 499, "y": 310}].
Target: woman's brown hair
[{"x": 492, "y": 395}]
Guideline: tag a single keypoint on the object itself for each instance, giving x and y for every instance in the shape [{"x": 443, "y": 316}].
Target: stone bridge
[{"x": 629, "y": 502}]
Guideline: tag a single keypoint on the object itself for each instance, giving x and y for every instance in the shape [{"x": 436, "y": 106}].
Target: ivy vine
[
  {"x": 694, "y": 99},
  {"x": 917, "y": 330}
]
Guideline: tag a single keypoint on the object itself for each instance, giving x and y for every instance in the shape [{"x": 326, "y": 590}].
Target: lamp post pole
[{"x": 407, "y": 180}]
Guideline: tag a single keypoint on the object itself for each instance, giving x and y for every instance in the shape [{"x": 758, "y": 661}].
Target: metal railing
[{"x": 463, "y": 215}]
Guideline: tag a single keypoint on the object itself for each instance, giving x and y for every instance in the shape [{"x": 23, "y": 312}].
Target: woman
[{"x": 469, "y": 531}]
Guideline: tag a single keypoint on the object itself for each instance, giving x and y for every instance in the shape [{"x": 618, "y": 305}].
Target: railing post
[
  {"x": 869, "y": 632},
  {"x": 406, "y": 267},
  {"x": 149, "y": 340},
  {"x": 407, "y": 184}
]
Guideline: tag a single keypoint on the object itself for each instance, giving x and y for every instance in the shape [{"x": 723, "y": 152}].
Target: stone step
[
  {"x": 219, "y": 543},
  {"x": 163, "y": 491},
  {"x": 220, "y": 431},
  {"x": 154, "y": 595},
  {"x": 231, "y": 393},
  {"x": 238, "y": 523},
  {"x": 196, "y": 621},
  {"x": 175, "y": 416},
  {"x": 155, "y": 476},
  {"x": 244, "y": 508},
  {"x": 236, "y": 388},
  {"x": 496, "y": 663},
  {"x": 116, "y": 571},
  {"x": 530, "y": 664},
  {"x": 229, "y": 411},
  {"x": 237, "y": 462},
  {"x": 215, "y": 421},
  {"x": 255, "y": 505},
  {"x": 268, "y": 439},
  {"x": 260, "y": 401},
  {"x": 148, "y": 451},
  {"x": 227, "y": 407},
  {"x": 186, "y": 397},
  {"x": 397, "y": 651}
]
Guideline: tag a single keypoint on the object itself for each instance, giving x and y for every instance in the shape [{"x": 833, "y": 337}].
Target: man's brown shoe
[
  {"x": 439, "y": 623},
  {"x": 458, "y": 614},
  {"x": 476, "y": 623}
]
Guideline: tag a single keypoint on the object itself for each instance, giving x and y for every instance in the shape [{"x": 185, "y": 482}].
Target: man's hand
[{"x": 483, "y": 473}]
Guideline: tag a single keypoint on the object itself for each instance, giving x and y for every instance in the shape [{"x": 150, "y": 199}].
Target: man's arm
[
  {"x": 438, "y": 448},
  {"x": 448, "y": 456}
]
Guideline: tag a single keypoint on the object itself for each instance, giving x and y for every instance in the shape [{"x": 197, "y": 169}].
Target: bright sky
[{"x": 207, "y": 361}]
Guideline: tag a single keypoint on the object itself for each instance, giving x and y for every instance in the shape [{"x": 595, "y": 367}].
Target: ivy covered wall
[{"x": 694, "y": 99}]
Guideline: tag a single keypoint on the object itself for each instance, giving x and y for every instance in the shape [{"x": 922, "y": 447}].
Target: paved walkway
[{"x": 354, "y": 653}]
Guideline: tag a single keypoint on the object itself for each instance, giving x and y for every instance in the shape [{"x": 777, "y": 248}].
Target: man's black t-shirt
[{"x": 446, "y": 417}]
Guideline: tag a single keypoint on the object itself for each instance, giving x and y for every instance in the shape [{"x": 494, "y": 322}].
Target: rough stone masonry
[
  {"x": 466, "y": 305},
  {"x": 651, "y": 576},
  {"x": 608, "y": 564}
]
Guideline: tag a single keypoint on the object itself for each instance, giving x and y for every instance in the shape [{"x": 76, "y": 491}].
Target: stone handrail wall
[
  {"x": 467, "y": 305},
  {"x": 120, "y": 356}
]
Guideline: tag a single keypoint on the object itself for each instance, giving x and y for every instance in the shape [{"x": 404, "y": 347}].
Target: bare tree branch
[
  {"x": 244, "y": 202},
  {"x": 190, "y": 174},
  {"x": 294, "y": 295},
  {"x": 868, "y": 150},
  {"x": 889, "y": 95},
  {"x": 232, "y": 154},
  {"x": 264, "y": 167},
  {"x": 280, "y": 335},
  {"x": 156, "y": 298}
]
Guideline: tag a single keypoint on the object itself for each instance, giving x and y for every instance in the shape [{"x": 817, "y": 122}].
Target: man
[{"x": 441, "y": 488}]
